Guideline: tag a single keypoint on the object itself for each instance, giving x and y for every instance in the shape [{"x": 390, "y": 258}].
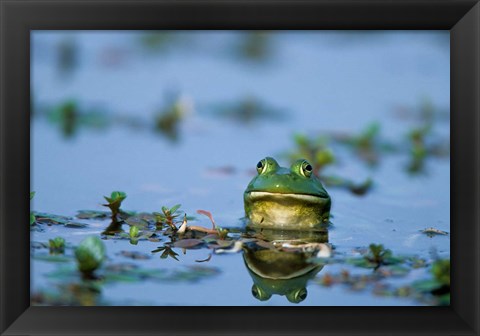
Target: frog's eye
[
  {"x": 297, "y": 296},
  {"x": 267, "y": 165},
  {"x": 307, "y": 169},
  {"x": 261, "y": 165},
  {"x": 260, "y": 294}
]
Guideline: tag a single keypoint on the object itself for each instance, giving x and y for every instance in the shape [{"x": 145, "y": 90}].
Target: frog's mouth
[{"x": 254, "y": 195}]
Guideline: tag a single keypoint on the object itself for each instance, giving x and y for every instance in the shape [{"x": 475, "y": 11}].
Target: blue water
[{"x": 322, "y": 81}]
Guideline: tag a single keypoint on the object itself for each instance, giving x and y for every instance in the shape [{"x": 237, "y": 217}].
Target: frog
[
  {"x": 286, "y": 198},
  {"x": 280, "y": 265}
]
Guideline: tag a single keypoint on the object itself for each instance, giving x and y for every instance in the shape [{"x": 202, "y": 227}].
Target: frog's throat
[{"x": 252, "y": 195}]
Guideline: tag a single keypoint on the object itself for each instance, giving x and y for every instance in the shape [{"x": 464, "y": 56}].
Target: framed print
[{"x": 237, "y": 167}]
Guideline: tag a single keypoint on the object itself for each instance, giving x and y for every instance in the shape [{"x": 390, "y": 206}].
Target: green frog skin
[
  {"x": 277, "y": 272},
  {"x": 288, "y": 199}
]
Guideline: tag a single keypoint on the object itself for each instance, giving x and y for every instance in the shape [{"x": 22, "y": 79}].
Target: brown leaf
[{"x": 188, "y": 243}]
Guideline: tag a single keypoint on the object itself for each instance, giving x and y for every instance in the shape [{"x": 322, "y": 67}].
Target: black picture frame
[{"x": 18, "y": 17}]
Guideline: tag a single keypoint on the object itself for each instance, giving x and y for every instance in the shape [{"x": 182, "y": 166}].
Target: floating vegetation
[
  {"x": 424, "y": 112},
  {"x": 167, "y": 251},
  {"x": 421, "y": 147},
  {"x": 67, "y": 50},
  {"x": 51, "y": 219},
  {"x": 114, "y": 202},
  {"x": 248, "y": 110},
  {"x": 159, "y": 41},
  {"x": 135, "y": 255},
  {"x": 433, "y": 291},
  {"x": 32, "y": 216},
  {"x": 359, "y": 189},
  {"x": 317, "y": 151},
  {"x": 439, "y": 284},
  {"x": 422, "y": 141},
  {"x": 256, "y": 46},
  {"x": 314, "y": 150},
  {"x": 86, "y": 293},
  {"x": 368, "y": 144},
  {"x": 168, "y": 216},
  {"x": 134, "y": 273},
  {"x": 376, "y": 256},
  {"x": 434, "y": 232},
  {"x": 56, "y": 245},
  {"x": 70, "y": 116},
  {"x": 167, "y": 120},
  {"x": 90, "y": 254},
  {"x": 92, "y": 214},
  {"x": 90, "y": 258}
]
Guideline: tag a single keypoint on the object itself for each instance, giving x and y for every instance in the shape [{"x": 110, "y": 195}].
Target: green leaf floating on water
[
  {"x": 133, "y": 231},
  {"x": 90, "y": 254},
  {"x": 56, "y": 245},
  {"x": 92, "y": 214}
]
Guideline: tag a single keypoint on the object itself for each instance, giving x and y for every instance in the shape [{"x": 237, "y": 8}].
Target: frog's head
[{"x": 287, "y": 198}]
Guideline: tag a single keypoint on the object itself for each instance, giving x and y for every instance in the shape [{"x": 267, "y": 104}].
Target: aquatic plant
[
  {"x": 167, "y": 120},
  {"x": 367, "y": 144},
  {"x": 90, "y": 254},
  {"x": 418, "y": 149},
  {"x": 168, "y": 216},
  {"x": 356, "y": 188},
  {"x": 314, "y": 150},
  {"x": 214, "y": 225},
  {"x": 247, "y": 110},
  {"x": 376, "y": 255},
  {"x": 56, "y": 245},
  {"x": 439, "y": 284},
  {"x": 256, "y": 46},
  {"x": 133, "y": 231},
  {"x": 32, "y": 216},
  {"x": 67, "y": 50},
  {"x": 159, "y": 41},
  {"x": 167, "y": 252},
  {"x": 379, "y": 255},
  {"x": 114, "y": 202}
]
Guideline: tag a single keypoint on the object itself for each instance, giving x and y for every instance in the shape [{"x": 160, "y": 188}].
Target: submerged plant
[
  {"x": 56, "y": 245},
  {"x": 114, "y": 202},
  {"x": 90, "y": 254}
]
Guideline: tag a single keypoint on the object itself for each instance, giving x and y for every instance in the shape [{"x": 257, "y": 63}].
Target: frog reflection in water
[
  {"x": 280, "y": 264},
  {"x": 288, "y": 199}
]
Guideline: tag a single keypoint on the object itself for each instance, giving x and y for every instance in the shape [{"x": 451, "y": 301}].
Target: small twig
[{"x": 202, "y": 229}]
